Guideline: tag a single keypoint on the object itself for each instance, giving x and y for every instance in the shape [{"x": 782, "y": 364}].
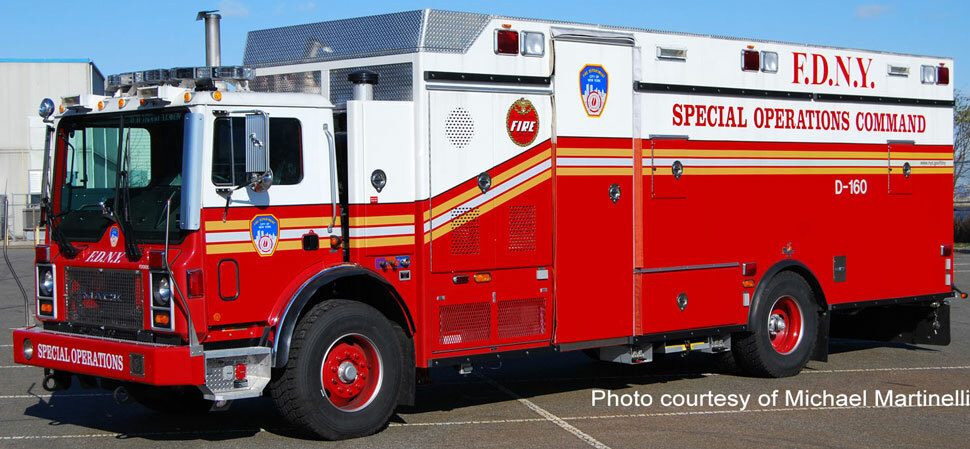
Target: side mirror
[{"x": 260, "y": 176}]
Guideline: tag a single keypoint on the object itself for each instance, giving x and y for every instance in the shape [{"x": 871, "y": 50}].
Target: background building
[{"x": 23, "y": 84}]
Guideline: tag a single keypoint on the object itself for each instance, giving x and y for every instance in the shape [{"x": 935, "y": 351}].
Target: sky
[{"x": 121, "y": 36}]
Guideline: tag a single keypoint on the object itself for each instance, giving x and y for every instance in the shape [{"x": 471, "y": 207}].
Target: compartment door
[
  {"x": 595, "y": 193},
  {"x": 491, "y": 188}
]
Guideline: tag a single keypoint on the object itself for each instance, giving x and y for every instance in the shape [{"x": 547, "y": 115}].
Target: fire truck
[{"x": 366, "y": 199}]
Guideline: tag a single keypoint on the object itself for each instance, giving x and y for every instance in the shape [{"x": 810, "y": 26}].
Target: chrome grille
[{"x": 109, "y": 298}]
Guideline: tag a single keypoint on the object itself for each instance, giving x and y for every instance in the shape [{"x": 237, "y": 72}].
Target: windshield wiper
[
  {"x": 122, "y": 195},
  {"x": 66, "y": 248}
]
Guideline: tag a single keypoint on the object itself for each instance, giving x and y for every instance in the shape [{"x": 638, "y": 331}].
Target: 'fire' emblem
[{"x": 522, "y": 122}]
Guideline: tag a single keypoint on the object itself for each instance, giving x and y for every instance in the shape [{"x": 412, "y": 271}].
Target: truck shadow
[{"x": 449, "y": 392}]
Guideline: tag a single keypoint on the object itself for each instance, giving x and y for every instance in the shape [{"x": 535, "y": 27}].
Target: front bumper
[{"x": 147, "y": 363}]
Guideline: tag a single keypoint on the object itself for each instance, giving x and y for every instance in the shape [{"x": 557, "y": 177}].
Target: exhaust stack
[{"x": 213, "y": 52}]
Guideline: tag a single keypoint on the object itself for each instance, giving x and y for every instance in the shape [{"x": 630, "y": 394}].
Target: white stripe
[
  {"x": 495, "y": 191},
  {"x": 548, "y": 416},
  {"x": 292, "y": 234},
  {"x": 701, "y": 162},
  {"x": 16, "y": 366},
  {"x": 380, "y": 231},
  {"x": 594, "y": 162},
  {"x": 225, "y": 237}
]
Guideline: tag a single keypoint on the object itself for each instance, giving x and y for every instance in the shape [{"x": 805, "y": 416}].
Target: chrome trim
[
  {"x": 333, "y": 178},
  {"x": 686, "y": 268},
  {"x": 192, "y": 144},
  {"x": 483, "y": 87},
  {"x": 289, "y": 304}
]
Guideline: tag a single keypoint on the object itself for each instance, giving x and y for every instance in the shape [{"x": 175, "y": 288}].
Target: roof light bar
[{"x": 177, "y": 75}]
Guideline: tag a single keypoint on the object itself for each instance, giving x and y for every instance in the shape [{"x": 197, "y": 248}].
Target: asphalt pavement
[{"x": 551, "y": 401}]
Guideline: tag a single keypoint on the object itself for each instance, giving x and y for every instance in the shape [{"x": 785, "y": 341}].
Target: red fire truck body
[{"x": 451, "y": 187}]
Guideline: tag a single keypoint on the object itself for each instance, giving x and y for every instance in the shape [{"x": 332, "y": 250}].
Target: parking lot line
[
  {"x": 16, "y": 366},
  {"x": 547, "y": 415},
  {"x": 129, "y": 435},
  {"x": 60, "y": 396}
]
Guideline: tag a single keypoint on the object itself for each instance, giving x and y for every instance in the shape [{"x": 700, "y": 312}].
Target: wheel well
[
  {"x": 362, "y": 288},
  {"x": 350, "y": 282},
  {"x": 797, "y": 268}
]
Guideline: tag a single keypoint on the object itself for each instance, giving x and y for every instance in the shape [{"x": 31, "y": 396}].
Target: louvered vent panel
[
  {"x": 521, "y": 317},
  {"x": 463, "y": 323}
]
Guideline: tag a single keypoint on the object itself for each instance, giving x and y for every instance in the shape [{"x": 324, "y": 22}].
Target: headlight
[
  {"x": 163, "y": 292},
  {"x": 47, "y": 283}
]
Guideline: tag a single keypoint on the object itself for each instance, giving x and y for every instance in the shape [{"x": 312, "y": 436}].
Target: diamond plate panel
[
  {"x": 298, "y": 82},
  {"x": 386, "y": 34},
  {"x": 393, "y": 84},
  {"x": 337, "y": 39},
  {"x": 453, "y": 32}
]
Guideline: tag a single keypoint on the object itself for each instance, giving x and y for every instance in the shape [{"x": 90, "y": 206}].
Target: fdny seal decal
[
  {"x": 522, "y": 122},
  {"x": 113, "y": 236},
  {"x": 594, "y": 84},
  {"x": 265, "y": 230}
]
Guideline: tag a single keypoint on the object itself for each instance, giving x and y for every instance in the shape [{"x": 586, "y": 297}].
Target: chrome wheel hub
[
  {"x": 776, "y": 324},
  {"x": 347, "y": 372}
]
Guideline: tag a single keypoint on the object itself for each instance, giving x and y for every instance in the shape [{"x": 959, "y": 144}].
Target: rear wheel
[
  {"x": 783, "y": 330},
  {"x": 343, "y": 373}
]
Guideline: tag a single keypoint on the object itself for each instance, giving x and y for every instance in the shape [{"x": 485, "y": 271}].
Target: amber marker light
[
  {"x": 47, "y": 308},
  {"x": 217, "y": 96},
  {"x": 483, "y": 277},
  {"x": 161, "y": 319},
  {"x": 187, "y": 97},
  {"x": 121, "y": 103},
  {"x": 100, "y": 105},
  {"x": 747, "y": 283}
]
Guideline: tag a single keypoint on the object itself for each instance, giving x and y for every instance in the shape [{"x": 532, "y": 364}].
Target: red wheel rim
[
  {"x": 351, "y": 372},
  {"x": 785, "y": 325}
]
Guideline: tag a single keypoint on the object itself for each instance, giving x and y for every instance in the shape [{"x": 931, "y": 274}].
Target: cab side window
[{"x": 229, "y": 151}]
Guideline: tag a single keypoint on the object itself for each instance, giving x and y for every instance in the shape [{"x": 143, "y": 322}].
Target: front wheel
[
  {"x": 783, "y": 330},
  {"x": 343, "y": 373}
]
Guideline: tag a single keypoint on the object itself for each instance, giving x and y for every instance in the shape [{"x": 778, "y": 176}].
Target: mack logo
[
  {"x": 816, "y": 69},
  {"x": 101, "y": 296}
]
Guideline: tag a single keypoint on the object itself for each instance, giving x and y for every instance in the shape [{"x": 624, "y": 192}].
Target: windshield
[{"x": 87, "y": 170}]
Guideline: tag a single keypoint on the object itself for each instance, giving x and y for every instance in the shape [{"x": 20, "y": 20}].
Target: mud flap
[
  {"x": 821, "y": 353},
  {"x": 919, "y": 323}
]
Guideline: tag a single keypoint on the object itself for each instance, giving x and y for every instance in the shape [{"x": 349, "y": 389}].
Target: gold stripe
[
  {"x": 427, "y": 237},
  {"x": 933, "y": 170},
  {"x": 373, "y": 242},
  {"x": 427, "y": 215},
  {"x": 496, "y": 180},
  {"x": 231, "y": 225},
  {"x": 307, "y": 222},
  {"x": 594, "y": 171},
  {"x": 242, "y": 225},
  {"x": 802, "y": 170},
  {"x": 225, "y": 248},
  {"x": 626, "y": 152},
  {"x": 495, "y": 202},
  {"x": 514, "y": 171},
  {"x": 382, "y": 220},
  {"x": 795, "y": 154}
]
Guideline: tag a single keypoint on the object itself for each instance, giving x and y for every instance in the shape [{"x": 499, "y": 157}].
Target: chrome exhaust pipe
[{"x": 213, "y": 47}]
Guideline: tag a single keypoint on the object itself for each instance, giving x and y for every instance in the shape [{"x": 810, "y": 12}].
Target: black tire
[
  {"x": 169, "y": 400},
  {"x": 761, "y": 351},
  {"x": 300, "y": 392}
]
